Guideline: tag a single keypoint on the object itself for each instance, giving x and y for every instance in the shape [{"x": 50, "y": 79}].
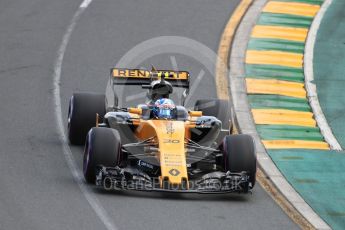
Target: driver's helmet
[{"x": 164, "y": 108}]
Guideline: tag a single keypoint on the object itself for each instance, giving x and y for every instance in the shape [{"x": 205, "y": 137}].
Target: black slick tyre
[
  {"x": 102, "y": 147},
  {"x": 82, "y": 115},
  {"x": 239, "y": 155}
]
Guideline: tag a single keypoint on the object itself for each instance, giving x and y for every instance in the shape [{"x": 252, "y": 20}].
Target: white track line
[
  {"x": 309, "y": 78},
  {"x": 89, "y": 195}
]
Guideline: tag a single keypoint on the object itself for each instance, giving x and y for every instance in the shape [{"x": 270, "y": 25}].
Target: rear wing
[{"x": 144, "y": 77}]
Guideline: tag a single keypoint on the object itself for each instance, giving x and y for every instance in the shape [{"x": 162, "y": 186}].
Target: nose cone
[{"x": 171, "y": 135}]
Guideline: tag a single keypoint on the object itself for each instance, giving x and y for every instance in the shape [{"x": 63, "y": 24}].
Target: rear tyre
[
  {"x": 216, "y": 108},
  {"x": 82, "y": 115},
  {"x": 102, "y": 147},
  {"x": 239, "y": 155}
]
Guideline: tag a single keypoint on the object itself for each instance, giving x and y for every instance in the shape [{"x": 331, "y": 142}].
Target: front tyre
[
  {"x": 82, "y": 115},
  {"x": 102, "y": 147},
  {"x": 239, "y": 155}
]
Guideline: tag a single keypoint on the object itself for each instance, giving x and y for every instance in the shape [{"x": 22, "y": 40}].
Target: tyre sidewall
[
  {"x": 82, "y": 115},
  {"x": 239, "y": 155},
  {"x": 102, "y": 147}
]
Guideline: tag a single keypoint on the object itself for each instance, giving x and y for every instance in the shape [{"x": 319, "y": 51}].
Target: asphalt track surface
[{"x": 37, "y": 189}]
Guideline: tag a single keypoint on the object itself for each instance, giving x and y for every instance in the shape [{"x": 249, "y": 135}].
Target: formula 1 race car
[{"x": 160, "y": 146}]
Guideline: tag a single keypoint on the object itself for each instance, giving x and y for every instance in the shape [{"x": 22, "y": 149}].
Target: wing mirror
[
  {"x": 195, "y": 113},
  {"x": 137, "y": 111}
]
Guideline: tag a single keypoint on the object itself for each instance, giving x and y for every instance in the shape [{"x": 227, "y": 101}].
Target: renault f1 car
[{"x": 133, "y": 149}]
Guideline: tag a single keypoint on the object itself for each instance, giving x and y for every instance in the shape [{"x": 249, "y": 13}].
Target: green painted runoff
[{"x": 319, "y": 177}]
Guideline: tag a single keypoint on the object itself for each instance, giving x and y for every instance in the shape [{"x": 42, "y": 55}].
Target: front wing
[{"x": 133, "y": 179}]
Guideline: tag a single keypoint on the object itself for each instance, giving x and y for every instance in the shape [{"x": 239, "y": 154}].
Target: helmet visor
[{"x": 164, "y": 113}]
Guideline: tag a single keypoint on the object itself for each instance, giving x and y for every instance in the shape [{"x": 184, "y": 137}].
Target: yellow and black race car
[{"x": 160, "y": 146}]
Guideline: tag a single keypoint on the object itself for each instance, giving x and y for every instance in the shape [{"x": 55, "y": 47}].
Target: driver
[{"x": 164, "y": 108}]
